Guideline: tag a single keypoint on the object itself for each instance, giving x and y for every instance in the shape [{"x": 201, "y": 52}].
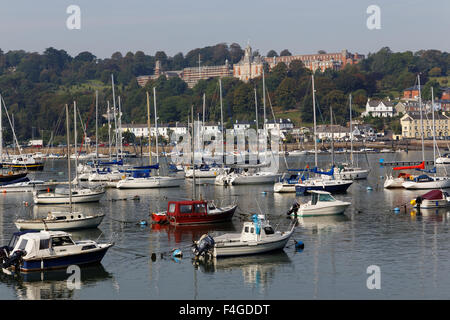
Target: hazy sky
[{"x": 302, "y": 26}]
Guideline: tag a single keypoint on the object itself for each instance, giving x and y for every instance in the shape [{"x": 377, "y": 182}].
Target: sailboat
[
  {"x": 425, "y": 181},
  {"x": 321, "y": 183},
  {"x": 141, "y": 178},
  {"x": 350, "y": 171},
  {"x": 77, "y": 194},
  {"x": 195, "y": 211},
  {"x": 247, "y": 173}
]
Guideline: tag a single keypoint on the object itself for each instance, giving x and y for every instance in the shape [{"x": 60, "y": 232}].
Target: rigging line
[
  {"x": 58, "y": 122},
  {"x": 10, "y": 123}
]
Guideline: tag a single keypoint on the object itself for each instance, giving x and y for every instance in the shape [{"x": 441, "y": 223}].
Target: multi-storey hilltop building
[
  {"x": 249, "y": 67},
  {"x": 192, "y": 75},
  {"x": 319, "y": 61},
  {"x": 142, "y": 80},
  {"x": 412, "y": 93},
  {"x": 412, "y": 125}
]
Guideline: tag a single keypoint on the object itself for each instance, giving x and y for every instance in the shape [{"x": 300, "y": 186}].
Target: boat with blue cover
[{"x": 29, "y": 251}]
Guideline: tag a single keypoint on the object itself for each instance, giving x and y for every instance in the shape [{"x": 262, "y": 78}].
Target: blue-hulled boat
[{"x": 29, "y": 251}]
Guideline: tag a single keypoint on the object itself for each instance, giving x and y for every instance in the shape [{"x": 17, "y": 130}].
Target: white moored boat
[
  {"x": 432, "y": 199},
  {"x": 61, "y": 196},
  {"x": 61, "y": 221},
  {"x": 321, "y": 203},
  {"x": 427, "y": 182},
  {"x": 149, "y": 182},
  {"x": 25, "y": 186},
  {"x": 256, "y": 237},
  {"x": 350, "y": 173},
  {"x": 444, "y": 159}
]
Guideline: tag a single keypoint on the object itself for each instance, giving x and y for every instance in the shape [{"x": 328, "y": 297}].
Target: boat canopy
[
  {"x": 433, "y": 195},
  {"x": 328, "y": 173},
  {"x": 423, "y": 178}
]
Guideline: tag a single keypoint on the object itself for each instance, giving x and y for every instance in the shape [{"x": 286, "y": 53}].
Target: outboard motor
[
  {"x": 418, "y": 201},
  {"x": 294, "y": 208},
  {"x": 203, "y": 245},
  {"x": 14, "y": 259}
]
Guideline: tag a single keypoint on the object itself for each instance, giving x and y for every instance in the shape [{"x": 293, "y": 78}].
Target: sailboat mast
[
  {"x": 115, "y": 121},
  {"x": 109, "y": 133},
  {"x": 314, "y": 117},
  {"x": 149, "y": 133},
  {"x": 75, "y": 137},
  {"x": 96, "y": 124},
  {"x": 156, "y": 125},
  {"x": 332, "y": 137},
  {"x": 68, "y": 156},
  {"x": 264, "y": 120},
  {"x": 203, "y": 123},
  {"x": 193, "y": 153},
  {"x": 221, "y": 121},
  {"x": 434, "y": 128},
  {"x": 120, "y": 129},
  {"x": 351, "y": 132},
  {"x": 257, "y": 126},
  {"x": 421, "y": 118}
]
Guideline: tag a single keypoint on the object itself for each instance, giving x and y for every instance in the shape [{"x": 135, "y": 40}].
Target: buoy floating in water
[
  {"x": 177, "y": 253},
  {"x": 369, "y": 188},
  {"x": 264, "y": 192},
  {"x": 299, "y": 245},
  {"x": 396, "y": 209},
  {"x": 143, "y": 223}
]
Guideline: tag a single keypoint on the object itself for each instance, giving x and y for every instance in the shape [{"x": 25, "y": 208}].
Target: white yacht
[{"x": 321, "y": 203}]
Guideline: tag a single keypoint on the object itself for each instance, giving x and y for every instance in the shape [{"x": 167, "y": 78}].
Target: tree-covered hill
[{"x": 36, "y": 86}]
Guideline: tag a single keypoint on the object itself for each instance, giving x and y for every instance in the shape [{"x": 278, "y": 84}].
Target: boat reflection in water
[
  {"x": 258, "y": 270},
  {"x": 322, "y": 223},
  {"x": 431, "y": 215},
  {"x": 190, "y": 233},
  {"x": 52, "y": 284}
]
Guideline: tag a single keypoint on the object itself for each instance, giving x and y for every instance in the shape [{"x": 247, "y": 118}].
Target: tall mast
[
  {"x": 115, "y": 120},
  {"x": 203, "y": 124},
  {"x": 264, "y": 119},
  {"x": 257, "y": 126},
  {"x": 193, "y": 152},
  {"x": 421, "y": 118},
  {"x": 96, "y": 123},
  {"x": 120, "y": 129},
  {"x": 314, "y": 117},
  {"x": 434, "y": 128},
  {"x": 332, "y": 137},
  {"x": 75, "y": 137},
  {"x": 68, "y": 156},
  {"x": 351, "y": 132},
  {"x": 149, "y": 133},
  {"x": 221, "y": 121},
  {"x": 109, "y": 133},
  {"x": 156, "y": 125}
]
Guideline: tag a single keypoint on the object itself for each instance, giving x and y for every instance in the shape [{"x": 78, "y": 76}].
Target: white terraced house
[{"x": 379, "y": 108}]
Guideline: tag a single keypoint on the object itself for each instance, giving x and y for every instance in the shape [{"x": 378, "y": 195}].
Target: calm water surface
[{"x": 411, "y": 250}]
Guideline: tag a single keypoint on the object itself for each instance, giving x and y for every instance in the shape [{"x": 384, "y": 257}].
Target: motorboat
[
  {"x": 426, "y": 182},
  {"x": 62, "y": 196},
  {"x": 29, "y": 251},
  {"x": 61, "y": 221},
  {"x": 143, "y": 180},
  {"x": 25, "y": 161},
  {"x": 24, "y": 185},
  {"x": 351, "y": 173},
  {"x": 194, "y": 212},
  {"x": 432, "y": 199},
  {"x": 329, "y": 185},
  {"x": 11, "y": 176},
  {"x": 321, "y": 203},
  {"x": 204, "y": 171},
  {"x": 257, "y": 236},
  {"x": 444, "y": 159}
]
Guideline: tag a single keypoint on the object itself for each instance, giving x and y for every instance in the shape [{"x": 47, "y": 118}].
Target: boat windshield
[
  {"x": 326, "y": 197},
  {"x": 61, "y": 241},
  {"x": 172, "y": 207},
  {"x": 200, "y": 208}
]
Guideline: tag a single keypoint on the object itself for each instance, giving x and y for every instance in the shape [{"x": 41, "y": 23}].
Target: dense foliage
[{"x": 35, "y": 87}]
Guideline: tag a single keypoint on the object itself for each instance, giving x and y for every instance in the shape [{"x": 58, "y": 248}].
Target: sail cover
[{"x": 420, "y": 166}]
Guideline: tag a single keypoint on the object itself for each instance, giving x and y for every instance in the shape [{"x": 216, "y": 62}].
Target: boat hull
[
  {"x": 283, "y": 187},
  {"x": 88, "y": 222},
  {"x": 438, "y": 183},
  {"x": 323, "y": 211},
  {"x": 147, "y": 183},
  {"x": 391, "y": 182},
  {"x": 302, "y": 189},
  {"x": 49, "y": 198},
  {"x": 352, "y": 174},
  {"x": 249, "y": 248},
  {"x": 94, "y": 256},
  {"x": 188, "y": 219},
  {"x": 254, "y": 179}
]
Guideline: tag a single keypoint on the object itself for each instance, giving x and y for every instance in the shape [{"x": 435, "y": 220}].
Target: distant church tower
[{"x": 249, "y": 67}]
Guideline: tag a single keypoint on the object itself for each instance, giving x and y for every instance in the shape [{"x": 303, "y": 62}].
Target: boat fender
[
  {"x": 396, "y": 209},
  {"x": 143, "y": 223},
  {"x": 153, "y": 257},
  {"x": 369, "y": 188},
  {"x": 177, "y": 253},
  {"x": 299, "y": 245}
]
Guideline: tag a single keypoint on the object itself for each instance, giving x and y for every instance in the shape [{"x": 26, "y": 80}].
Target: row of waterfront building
[{"x": 251, "y": 66}]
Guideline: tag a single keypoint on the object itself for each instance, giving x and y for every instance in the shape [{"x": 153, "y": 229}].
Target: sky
[{"x": 172, "y": 26}]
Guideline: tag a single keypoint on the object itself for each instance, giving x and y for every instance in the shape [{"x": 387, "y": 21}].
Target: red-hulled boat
[{"x": 193, "y": 212}]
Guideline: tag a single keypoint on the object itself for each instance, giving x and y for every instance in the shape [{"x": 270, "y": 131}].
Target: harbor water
[{"x": 410, "y": 249}]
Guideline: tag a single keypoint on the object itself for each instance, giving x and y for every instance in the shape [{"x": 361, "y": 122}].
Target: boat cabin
[
  {"x": 256, "y": 229},
  {"x": 320, "y": 196}
]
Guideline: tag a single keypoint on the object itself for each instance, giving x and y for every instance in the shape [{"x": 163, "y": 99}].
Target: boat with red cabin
[{"x": 194, "y": 212}]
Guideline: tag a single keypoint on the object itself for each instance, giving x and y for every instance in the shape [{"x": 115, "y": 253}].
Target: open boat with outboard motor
[
  {"x": 321, "y": 203},
  {"x": 433, "y": 199}
]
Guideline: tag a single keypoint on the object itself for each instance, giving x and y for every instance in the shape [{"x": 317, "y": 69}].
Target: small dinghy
[
  {"x": 61, "y": 221},
  {"x": 257, "y": 236},
  {"x": 433, "y": 199},
  {"x": 29, "y": 251},
  {"x": 321, "y": 203}
]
